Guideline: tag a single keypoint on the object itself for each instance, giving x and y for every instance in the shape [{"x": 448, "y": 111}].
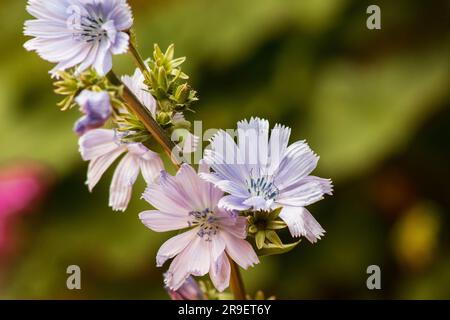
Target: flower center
[
  {"x": 206, "y": 221},
  {"x": 89, "y": 28},
  {"x": 262, "y": 187}
]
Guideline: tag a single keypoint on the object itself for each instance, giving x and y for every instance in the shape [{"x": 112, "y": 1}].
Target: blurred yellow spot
[{"x": 415, "y": 236}]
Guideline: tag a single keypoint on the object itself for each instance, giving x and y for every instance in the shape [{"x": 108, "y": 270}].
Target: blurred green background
[{"x": 374, "y": 104}]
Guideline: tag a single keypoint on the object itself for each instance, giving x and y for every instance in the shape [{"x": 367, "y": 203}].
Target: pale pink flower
[
  {"x": 211, "y": 235},
  {"x": 101, "y": 147}
]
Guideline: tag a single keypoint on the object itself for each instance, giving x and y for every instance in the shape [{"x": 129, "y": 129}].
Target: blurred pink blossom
[{"x": 21, "y": 186}]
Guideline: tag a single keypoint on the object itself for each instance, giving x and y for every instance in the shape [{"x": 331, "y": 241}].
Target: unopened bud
[
  {"x": 162, "y": 79},
  {"x": 164, "y": 118},
  {"x": 182, "y": 93}
]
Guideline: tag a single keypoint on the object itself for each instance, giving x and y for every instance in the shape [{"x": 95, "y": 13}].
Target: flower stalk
[
  {"x": 137, "y": 57},
  {"x": 236, "y": 282}
]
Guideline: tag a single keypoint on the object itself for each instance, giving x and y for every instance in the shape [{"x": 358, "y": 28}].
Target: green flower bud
[
  {"x": 157, "y": 53},
  {"x": 170, "y": 52},
  {"x": 182, "y": 93},
  {"x": 164, "y": 118},
  {"x": 162, "y": 79}
]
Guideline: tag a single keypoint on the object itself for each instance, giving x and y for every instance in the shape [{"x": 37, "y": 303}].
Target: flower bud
[
  {"x": 190, "y": 290},
  {"x": 162, "y": 79},
  {"x": 164, "y": 118},
  {"x": 182, "y": 93},
  {"x": 97, "y": 109}
]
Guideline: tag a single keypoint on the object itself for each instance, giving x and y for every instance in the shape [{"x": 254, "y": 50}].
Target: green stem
[
  {"x": 137, "y": 57},
  {"x": 236, "y": 283},
  {"x": 146, "y": 118}
]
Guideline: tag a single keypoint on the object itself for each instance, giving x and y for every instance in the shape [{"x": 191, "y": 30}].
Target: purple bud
[
  {"x": 188, "y": 291},
  {"x": 97, "y": 109}
]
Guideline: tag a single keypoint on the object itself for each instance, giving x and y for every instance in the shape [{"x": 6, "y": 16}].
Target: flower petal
[
  {"x": 103, "y": 61},
  {"x": 279, "y": 139},
  {"x": 305, "y": 192},
  {"x": 298, "y": 162},
  {"x": 236, "y": 226},
  {"x": 193, "y": 260},
  {"x": 240, "y": 251},
  {"x": 151, "y": 169},
  {"x": 232, "y": 188},
  {"x": 197, "y": 192},
  {"x": 120, "y": 45},
  {"x": 217, "y": 246},
  {"x": 165, "y": 197},
  {"x": 174, "y": 245},
  {"x": 96, "y": 143},
  {"x": 253, "y": 143},
  {"x": 178, "y": 272},
  {"x": 136, "y": 84},
  {"x": 122, "y": 183},
  {"x": 259, "y": 203},
  {"x": 302, "y": 223},
  {"x": 233, "y": 203},
  {"x": 203, "y": 167},
  {"x": 225, "y": 158},
  {"x": 150, "y": 162},
  {"x": 99, "y": 165},
  {"x": 219, "y": 272},
  {"x": 163, "y": 221},
  {"x": 199, "y": 257}
]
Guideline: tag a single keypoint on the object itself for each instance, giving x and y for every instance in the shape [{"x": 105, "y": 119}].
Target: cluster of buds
[
  {"x": 70, "y": 84},
  {"x": 168, "y": 84}
]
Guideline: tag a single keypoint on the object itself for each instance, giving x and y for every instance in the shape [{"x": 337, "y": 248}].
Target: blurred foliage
[{"x": 373, "y": 104}]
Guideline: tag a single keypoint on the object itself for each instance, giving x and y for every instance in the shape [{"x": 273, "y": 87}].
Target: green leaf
[
  {"x": 157, "y": 53},
  {"x": 276, "y": 225},
  {"x": 162, "y": 79},
  {"x": 260, "y": 238},
  {"x": 273, "y": 237},
  {"x": 177, "y": 62},
  {"x": 170, "y": 52},
  {"x": 271, "y": 249},
  {"x": 274, "y": 214}
]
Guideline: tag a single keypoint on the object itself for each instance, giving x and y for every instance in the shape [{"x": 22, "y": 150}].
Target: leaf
[
  {"x": 276, "y": 225},
  {"x": 177, "y": 62},
  {"x": 273, "y": 237},
  {"x": 260, "y": 238},
  {"x": 274, "y": 214},
  {"x": 271, "y": 249},
  {"x": 170, "y": 52}
]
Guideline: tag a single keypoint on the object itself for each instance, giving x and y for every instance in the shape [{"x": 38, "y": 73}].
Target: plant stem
[
  {"x": 137, "y": 57},
  {"x": 146, "y": 118},
  {"x": 236, "y": 283}
]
